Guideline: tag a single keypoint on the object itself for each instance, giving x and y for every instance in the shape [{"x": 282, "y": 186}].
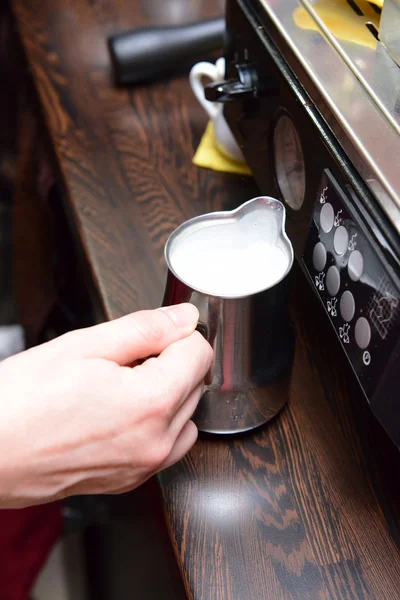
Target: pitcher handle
[{"x": 203, "y": 329}]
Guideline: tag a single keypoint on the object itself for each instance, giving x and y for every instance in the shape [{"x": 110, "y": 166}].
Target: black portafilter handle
[{"x": 148, "y": 53}]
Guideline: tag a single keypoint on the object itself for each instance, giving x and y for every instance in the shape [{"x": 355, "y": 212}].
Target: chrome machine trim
[{"x": 357, "y": 81}]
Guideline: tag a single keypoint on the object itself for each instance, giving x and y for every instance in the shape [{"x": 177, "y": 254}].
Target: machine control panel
[{"x": 361, "y": 299}]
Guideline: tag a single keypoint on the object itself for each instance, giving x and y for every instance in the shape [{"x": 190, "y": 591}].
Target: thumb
[{"x": 136, "y": 336}]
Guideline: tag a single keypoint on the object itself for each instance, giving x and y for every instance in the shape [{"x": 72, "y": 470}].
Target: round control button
[
  {"x": 362, "y": 333},
  {"x": 333, "y": 281},
  {"x": 340, "y": 240},
  {"x": 319, "y": 257},
  {"x": 355, "y": 266},
  {"x": 327, "y": 217},
  {"x": 347, "y": 306}
]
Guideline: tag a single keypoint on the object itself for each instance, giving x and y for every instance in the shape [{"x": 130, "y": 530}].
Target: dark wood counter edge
[
  {"x": 305, "y": 499},
  {"x": 30, "y": 98}
]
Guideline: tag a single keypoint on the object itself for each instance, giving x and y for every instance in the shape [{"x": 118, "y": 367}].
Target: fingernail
[{"x": 185, "y": 316}]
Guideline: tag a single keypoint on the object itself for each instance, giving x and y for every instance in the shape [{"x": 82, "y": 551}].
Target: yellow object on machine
[{"x": 343, "y": 22}]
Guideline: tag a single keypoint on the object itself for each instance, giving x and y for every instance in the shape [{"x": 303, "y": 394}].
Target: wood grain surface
[{"x": 305, "y": 508}]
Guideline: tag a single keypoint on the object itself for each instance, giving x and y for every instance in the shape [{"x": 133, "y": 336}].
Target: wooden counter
[{"x": 307, "y": 507}]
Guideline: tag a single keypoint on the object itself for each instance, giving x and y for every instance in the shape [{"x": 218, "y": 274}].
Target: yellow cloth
[
  {"x": 208, "y": 156},
  {"x": 351, "y": 29}
]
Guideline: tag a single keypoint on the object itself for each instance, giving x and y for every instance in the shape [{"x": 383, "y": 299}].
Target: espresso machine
[{"x": 313, "y": 97}]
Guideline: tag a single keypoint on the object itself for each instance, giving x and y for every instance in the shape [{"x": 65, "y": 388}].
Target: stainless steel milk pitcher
[{"x": 251, "y": 334}]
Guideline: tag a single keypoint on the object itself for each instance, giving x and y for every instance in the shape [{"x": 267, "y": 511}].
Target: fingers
[
  {"x": 167, "y": 380},
  {"x": 186, "y": 411},
  {"x": 139, "y": 335},
  {"x": 186, "y": 439}
]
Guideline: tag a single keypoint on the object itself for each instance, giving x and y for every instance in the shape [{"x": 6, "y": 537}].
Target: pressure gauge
[{"x": 289, "y": 163}]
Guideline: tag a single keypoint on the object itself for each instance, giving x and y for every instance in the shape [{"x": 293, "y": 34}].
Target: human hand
[{"x": 75, "y": 418}]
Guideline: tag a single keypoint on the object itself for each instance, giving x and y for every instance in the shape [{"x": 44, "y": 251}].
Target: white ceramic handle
[{"x": 205, "y": 69}]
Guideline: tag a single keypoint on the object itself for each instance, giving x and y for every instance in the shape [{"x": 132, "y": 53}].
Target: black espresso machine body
[{"x": 344, "y": 235}]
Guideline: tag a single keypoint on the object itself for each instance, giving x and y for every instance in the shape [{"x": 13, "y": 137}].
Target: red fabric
[{"x": 26, "y": 537}]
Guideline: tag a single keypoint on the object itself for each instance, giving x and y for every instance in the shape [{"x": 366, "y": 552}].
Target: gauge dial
[{"x": 289, "y": 163}]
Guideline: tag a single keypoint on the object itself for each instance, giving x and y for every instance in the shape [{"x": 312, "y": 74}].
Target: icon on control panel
[
  {"x": 319, "y": 281},
  {"x": 323, "y": 197},
  {"x": 344, "y": 333},
  {"x": 337, "y": 218},
  {"x": 352, "y": 243},
  {"x": 366, "y": 358},
  {"x": 383, "y": 307},
  {"x": 331, "y": 305}
]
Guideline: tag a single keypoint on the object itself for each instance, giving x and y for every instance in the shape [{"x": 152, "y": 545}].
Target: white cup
[{"x": 224, "y": 139}]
